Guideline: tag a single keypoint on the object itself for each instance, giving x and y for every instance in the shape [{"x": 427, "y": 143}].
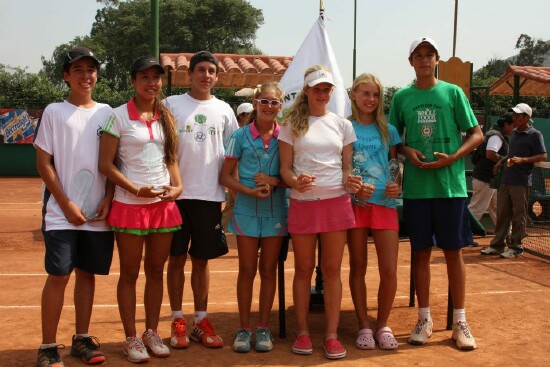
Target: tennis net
[{"x": 537, "y": 241}]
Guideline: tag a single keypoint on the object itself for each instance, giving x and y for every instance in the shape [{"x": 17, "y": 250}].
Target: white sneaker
[
  {"x": 154, "y": 343},
  {"x": 463, "y": 336},
  {"x": 135, "y": 350},
  {"x": 422, "y": 332}
]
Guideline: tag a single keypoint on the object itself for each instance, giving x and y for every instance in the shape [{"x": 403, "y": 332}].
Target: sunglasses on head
[{"x": 265, "y": 102}]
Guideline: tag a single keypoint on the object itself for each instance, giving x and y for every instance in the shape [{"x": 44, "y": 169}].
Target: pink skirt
[
  {"x": 317, "y": 216},
  {"x": 376, "y": 217},
  {"x": 142, "y": 219}
]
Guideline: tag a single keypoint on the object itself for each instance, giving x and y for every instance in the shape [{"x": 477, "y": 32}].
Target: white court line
[
  {"x": 189, "y": 304},
  {"x": 287, "y": 270},
  {"x": 38, "y": 202}
]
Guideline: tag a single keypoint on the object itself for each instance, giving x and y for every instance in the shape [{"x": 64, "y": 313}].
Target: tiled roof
[
  {"x": 236, "y": 71},
  {"x": 534, "y": 81}
]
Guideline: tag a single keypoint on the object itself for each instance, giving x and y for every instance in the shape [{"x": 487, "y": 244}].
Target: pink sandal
[
  {"x": 385, "y": 339},
  {"x": 365, "y": 339}
]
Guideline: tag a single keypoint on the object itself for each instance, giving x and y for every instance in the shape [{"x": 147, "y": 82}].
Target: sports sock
[
  {"x": 424, "y": 313},
  {"x": 199, "y": 315},
  {"x": 46, "y": 346},
  {"x": 459, "y": 314},
  {"x": 177, "y": 315},
  {"x": 77, "y": 336}
]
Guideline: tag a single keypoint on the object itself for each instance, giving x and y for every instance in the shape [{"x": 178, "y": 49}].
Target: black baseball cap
[
  {"x": 203, "y": 56},
  {"x": 506, "y": 118},
  {"x": 143, "y": 63},
  {"x": 77, "y": 53}
]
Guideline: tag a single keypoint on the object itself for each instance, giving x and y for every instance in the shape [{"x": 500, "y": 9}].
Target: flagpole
[
  {"x": 322, "y": 9},
  {"x": 354, "y": 36},
  {"x": 454, "y": 33}
]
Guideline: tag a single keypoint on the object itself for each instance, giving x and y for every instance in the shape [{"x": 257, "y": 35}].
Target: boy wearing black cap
[
  {"x": 75, "y": 204},
  {"x": 494, "y": 147},
  {"x": 526, "y": 147},
  {"x": 204, "y": 124},
  {"x": 432, "y": 114}
]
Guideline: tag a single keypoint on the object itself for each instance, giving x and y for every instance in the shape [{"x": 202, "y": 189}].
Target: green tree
[
  {"x": 20, "y": 89},
  {"x": 121, "y": 33},
  {"x": 532, "y": 51}
]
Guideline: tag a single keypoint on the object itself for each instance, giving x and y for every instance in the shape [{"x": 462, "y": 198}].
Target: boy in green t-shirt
[{"x": 432, "y": 114}]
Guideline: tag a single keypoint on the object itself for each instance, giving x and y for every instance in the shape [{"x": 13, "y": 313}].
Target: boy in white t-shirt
[
  {"x": 76, "y": 202},
  {"x": 204, "y": 125}
]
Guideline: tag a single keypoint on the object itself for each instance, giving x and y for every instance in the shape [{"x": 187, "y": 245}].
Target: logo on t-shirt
[
  {"x": 200, "y": 119},
  {"x": 427, "y": 118},
  {"x": 200, "y": 137},
  {"x": 426, "y": 130}
]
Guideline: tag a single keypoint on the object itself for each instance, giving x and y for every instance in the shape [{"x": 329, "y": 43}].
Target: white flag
[{"x": 315, "y": 50}]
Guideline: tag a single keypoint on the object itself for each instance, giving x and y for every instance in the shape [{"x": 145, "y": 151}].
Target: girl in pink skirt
[
  {"x": 138, "y": 154},
  {"x": 376, "y": 141},
  {"x": 316, "y": 151}
]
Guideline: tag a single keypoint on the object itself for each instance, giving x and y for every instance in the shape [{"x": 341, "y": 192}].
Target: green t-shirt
[{"x": 432, "y": 121}]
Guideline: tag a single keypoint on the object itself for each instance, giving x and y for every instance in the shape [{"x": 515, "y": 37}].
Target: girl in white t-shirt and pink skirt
[
  {"x": 138, "y": 154},
  {"x": 316, "y": 162}
]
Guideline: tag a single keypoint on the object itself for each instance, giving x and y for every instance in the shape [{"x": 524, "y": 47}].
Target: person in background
[
  {"x": 316, "y": 149},
  {"x": 432, "y": 114},
  {"x": 526, "y": 147},
  {"x": 244, "y": 111},
  {"x": 76, "y": 201},
  {"x": 376, "y": 141},
  {"x": 138, "y": 154},
  {"x": 259, "y": 217},
  {"x": 493, "y": 149},
  {"x": 204, "y": 124}
]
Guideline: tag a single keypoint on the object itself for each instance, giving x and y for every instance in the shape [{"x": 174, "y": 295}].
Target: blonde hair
[
  {"x": 380, "y": 118},
  {"x": 271, "y": 85},
  {"x": 298, "y": 116}
]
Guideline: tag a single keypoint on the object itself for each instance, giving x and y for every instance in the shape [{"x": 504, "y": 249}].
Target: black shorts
[
  {"x": 441, "y": 222},
  {"x": 86, "y": 250},
  {"x": 202, "y": 227}
]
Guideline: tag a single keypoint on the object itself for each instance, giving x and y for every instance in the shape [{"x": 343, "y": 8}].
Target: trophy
[
  {"x": 394, "y": 176},
  {"x": 304, "y": 164},
  {"x": 261, "y": 156}
]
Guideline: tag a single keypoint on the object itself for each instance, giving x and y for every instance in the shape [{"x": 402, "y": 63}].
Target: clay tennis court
[{"x": 508, "y": 306}]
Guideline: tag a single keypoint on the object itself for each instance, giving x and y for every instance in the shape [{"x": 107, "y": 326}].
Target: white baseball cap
[
  {"x": 318, "y": 76},
  {"x": 245, "y": 108},
  {"x": 522, "y": 108},
  {"x": 417, "y": 43}
]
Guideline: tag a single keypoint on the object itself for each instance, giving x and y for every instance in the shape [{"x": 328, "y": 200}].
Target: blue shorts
[
  {"x": 86, "y": 250},
  {"x": 244, "y": 225},
  {"x": 445, "y": 222},
  {"x": 202, "y": 226}
]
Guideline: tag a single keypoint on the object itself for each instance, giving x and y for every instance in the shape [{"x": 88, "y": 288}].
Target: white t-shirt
[
  {"x": 71, "y": 135},
  {"x": 140, "y": 152},
  {"x": 494, "y": 143},
  {"x": 203, "y": 127},
  {"x": 319, "y": 152}
]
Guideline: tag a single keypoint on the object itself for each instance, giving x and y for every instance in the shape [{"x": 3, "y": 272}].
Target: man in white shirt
[
  {"x": 204, "y": 125},
  {"x": 76, "y": 201}
]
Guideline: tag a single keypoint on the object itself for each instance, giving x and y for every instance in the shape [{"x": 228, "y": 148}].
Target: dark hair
[
  {"x": 505, "y": 119},
  {"x": 168, "y": 123},
  {"x": 203, "y": 56}
]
